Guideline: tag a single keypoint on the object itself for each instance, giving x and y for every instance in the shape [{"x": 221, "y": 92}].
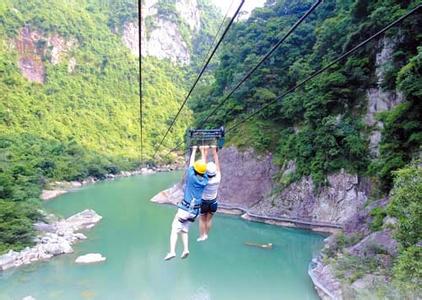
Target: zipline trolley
[{"x": 200, "y": 137}]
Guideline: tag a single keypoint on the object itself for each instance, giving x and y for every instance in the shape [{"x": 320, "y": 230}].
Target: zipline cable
[
  {"x": 208, "y": 52},
  {"x": 261, "y": 61},
  {"x": 315, "y": 74},
  {"x": 140, "y": 78},
  {"x": 218, "y": 31},
  {"x": 199, "y": 76}
]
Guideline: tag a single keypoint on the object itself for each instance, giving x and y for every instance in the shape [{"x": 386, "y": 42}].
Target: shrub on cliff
[
  {"x": 406, "y": 206},
  {"x": 408, "y": 269}
]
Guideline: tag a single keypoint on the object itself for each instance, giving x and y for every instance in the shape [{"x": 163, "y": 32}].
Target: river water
[{"x": 133, "y": 235}]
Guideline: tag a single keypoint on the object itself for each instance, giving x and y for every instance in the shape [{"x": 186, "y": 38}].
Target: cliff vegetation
[{"x": 363, "y": 116}]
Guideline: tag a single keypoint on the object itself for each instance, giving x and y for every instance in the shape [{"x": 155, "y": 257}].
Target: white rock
[
  {"x": 89, "y": 180},
  {"x": 54, "y": 243},
  {"x": 75, "y": 184},
  {"x": 47, "y": 194},
  {"x": 53, "y": 249},
  {"x": 90, "y": 258},
  {"x": 7, "y": 260},
  {"x": 83, "y": 219},
  {"x": 44, "y": 227},
  {"x": 28, "y": 298},
  {"x": 66, "y": 248},
  {"x": 43, "y": 255},
  {"x": 80, "y": 236}
]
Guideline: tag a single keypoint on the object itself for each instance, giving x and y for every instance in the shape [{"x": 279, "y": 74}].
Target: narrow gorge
[{"x": 339, "y": 154}]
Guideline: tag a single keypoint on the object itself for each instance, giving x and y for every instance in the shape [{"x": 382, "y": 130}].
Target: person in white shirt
[{"x": 209, "y": 203}]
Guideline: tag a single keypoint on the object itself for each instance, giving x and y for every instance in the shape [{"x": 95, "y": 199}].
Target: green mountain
[{"x": 69, "y": 103}]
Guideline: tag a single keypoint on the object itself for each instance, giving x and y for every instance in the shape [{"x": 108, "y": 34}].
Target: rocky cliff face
[
  {"x": 247, "y": 179},
  {"x": 362, "y": 244},
  {"x": 248, "y": 185},
  {"x": 380, "y": 100},
  {"x": 34, "y": 48},
  {"x": 344, "y": 195},
  {"x": 163, "y": 35}
]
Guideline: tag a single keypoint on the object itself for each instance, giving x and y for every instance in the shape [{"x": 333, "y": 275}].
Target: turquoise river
[{"x": 133, "y": 235}]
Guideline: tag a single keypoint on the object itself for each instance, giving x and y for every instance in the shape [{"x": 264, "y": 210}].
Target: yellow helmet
[{"x": 200, "y": 166}]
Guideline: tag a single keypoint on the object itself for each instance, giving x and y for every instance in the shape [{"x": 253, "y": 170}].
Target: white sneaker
[
  {"x": 170, "y": 256},
  {"x": 202, "y": 238},
  {"x": 184, "y": 254}
]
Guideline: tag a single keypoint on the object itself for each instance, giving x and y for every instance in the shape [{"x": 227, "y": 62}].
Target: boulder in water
[
  {"x": 83, "y": 219},
  {"x": 90, "y": 258}
]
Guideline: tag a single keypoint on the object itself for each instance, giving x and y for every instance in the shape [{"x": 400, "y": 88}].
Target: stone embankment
[{"x": 55, "y": 237}]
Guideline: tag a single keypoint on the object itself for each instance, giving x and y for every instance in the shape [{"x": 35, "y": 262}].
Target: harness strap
[{"x": 187, "y": 205}]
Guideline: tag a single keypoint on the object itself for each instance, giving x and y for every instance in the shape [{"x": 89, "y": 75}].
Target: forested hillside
[
  {"x": 364, "y": 115},
  {"x": 322, "y": 127},
  {"x": 69, "y": 101}
]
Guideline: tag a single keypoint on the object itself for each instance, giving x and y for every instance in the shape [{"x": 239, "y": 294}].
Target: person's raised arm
[
  {"x": 215, "y": 155},
  {"x": 204, "y": 152},
  {"x": 192, "y": 156}
]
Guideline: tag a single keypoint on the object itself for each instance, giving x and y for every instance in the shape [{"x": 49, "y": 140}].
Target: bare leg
[
  {"x": 209, "y": 223},
  {"x": 173, "y": 241},
  {"x": 185, "y": 244},
  {"x": 202, "y": 226}
]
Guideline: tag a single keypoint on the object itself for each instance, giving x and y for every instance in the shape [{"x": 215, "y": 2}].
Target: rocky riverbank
[
  {"x": 355, "y": 263},
  {"x": 55, "y": 237},
  {"x": 57, "y": 188}
]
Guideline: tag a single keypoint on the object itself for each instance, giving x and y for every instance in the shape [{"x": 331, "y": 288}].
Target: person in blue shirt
[{"x": 188, "y": 209}]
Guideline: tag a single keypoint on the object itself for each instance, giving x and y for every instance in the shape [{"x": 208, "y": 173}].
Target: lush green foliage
[
  {"x": 408, "y": 270},
  {"x": 406, "y": 206},
  {"x": 321, "y": 126},
  {"x": 77, "y": 123},
  {"x": 378, "y": 214}
]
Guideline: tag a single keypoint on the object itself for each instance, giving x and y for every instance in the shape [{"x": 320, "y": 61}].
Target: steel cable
[{"x": 199, "y": 76}]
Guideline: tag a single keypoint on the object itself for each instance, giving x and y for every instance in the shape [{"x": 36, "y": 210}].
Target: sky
[{"x": 248, "y": 6}]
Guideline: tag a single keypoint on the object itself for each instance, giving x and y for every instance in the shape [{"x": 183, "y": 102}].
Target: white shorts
[{"x": 181, "y": 220}]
